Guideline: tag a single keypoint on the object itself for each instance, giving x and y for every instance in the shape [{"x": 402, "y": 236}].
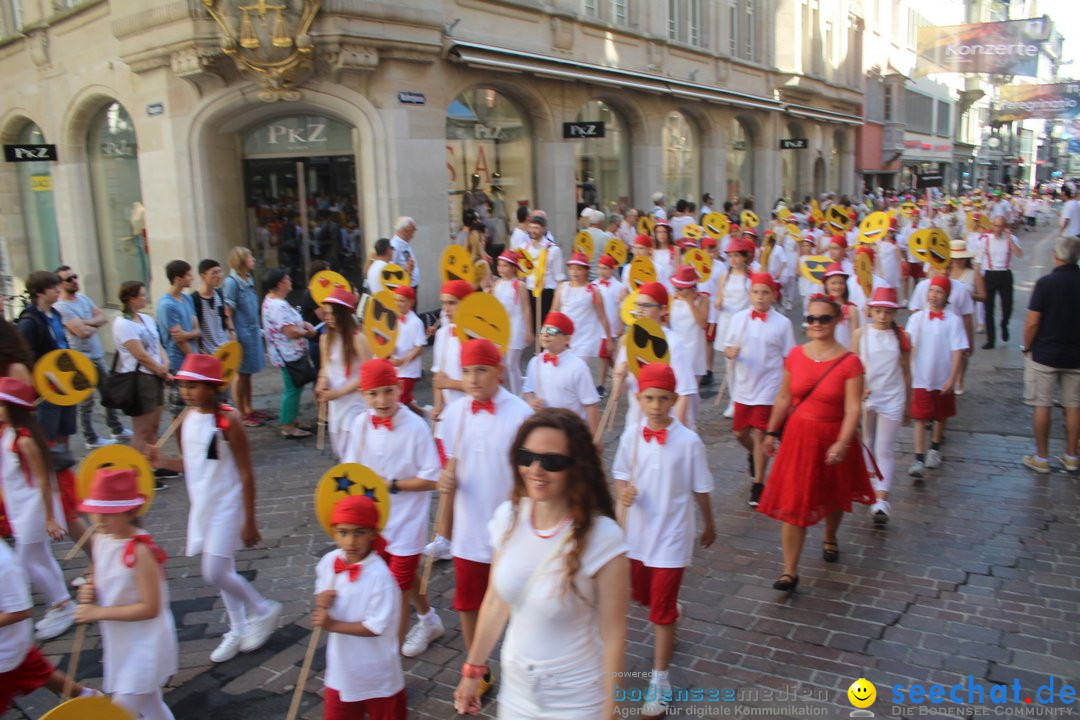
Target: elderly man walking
[
  {"x": 1052, "y": 346},
  {"x": 404, "y": 230}
]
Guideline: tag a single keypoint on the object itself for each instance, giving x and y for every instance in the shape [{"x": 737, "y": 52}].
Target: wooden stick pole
[
  {"x": 538, "y": 322},
  {"x": 173, "y": 427},
  {"x": 320, "y": 436},
  {"x": 443, "y": 514},
  {"x": 305, "y": 670},
  {"x": 609, "y": 409},
  {"x": 73, "y": 662},
  {"x": 616, "y": 388},
  {"x": 82, "y": 541}
]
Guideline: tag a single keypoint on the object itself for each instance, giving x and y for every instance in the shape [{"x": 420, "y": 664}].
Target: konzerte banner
[
  {"x": 998, "y": 48},
  {"x": 1017, "y": 102}
]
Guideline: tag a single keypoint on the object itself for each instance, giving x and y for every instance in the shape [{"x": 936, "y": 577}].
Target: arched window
[
  {"x": 117, "y": 195},
  {"x": 602, "y": 170},
  {"x": 740, "y": 162},
  {"x": 38, "y": 210},
  {"x": 682, "y": 159}
]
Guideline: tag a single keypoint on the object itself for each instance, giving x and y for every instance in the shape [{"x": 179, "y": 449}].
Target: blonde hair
[{"x": 238, "y": 260}]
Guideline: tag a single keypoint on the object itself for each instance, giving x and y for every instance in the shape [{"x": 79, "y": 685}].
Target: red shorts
[
  {"x": 33, "y": 673},
  {"x": 470, "y": 583},
  {"x": 710, "y": 332},
  {"x": 755, "y": 416},
  {"x": 603, "y": 354},
  {"x": 403, "y": 568},
  {"x": 384, "y": 708},
  {"x": 407, "y": 385},
  {"x": 932, "y": 405},
  {"x": 656, "y": 589},
  {"x": 912, "y": 269},
  {"x": 69, "y": 497}
]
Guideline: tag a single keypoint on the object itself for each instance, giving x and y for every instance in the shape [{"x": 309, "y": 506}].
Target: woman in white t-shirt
[
  {"x": 564, "y": 587},
  {"x": 138, "y": 346}
]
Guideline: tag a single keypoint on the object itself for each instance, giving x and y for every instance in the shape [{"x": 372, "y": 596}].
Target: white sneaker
[
  {"x": 917, "y": 469},
  {"x": 657, "y": 697},
  {"x": 78, "y": 582},
  {"x": 880, "y": 512},
  {"x": 730, "y": 411},
  {"x": 933, "y": 459},
  {"x": 421, "y": 635},
  {"x": 100, "y": 442},
  {"x": 123, "y": 435},
  {"x": 56, "y": 622},
  {"x": 439, "y": 548},
  {"x": 261, "y": 628},
  {"x": 227, "y": 649}
]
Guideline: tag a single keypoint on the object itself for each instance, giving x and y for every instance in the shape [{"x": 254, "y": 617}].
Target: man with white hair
[
  {"x": 658, "y": 212},
  {"x": 600, "y": 236},
  {"x": 404, "y": 230}
]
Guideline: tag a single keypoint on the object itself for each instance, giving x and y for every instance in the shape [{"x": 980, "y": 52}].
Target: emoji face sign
[
  {"x": 347, "y": 479},
  {"x": 525, "y": 265},
  {"x": 931, "y": 245},
  {"x": 381, "y": 324},
  {"x": 231, "y": 354},
  {"x": 323, "y": 283},
  {"x": 617, "y": 249},
  {"x": 862, "y": 693},
  {"x": 978, "y": 222},
  {"x": 646, "y": 343},
  {"x": 538, "y": 272},
  {"x": 813, "y": 267},
  {"x": 700, "y": 261},
  {"x": 65, "y": 377},
  {"x": 481, "y": 315},
  {"x": 748, "y": 219},
  {"x": 864, "y": 269},
  {"x": 98, "y": 707},
  {"x": 642, "y": 271},
  {"x": 838, "y": 218},
  {"x": 121, "y": 457},
  {"x": 873, "y": 227},
  {"x": 716, "y": 225},
  {"x": 815, "y": 213},
  {"x": 583, "y": 243},
  {"x": 456, "y": 264},
  {"x": 626, "y": 311},
  {"x": 909, "y": 209},
  {"x": 766, "y": 250},
  {"x": 394, "y": 276},
  {"x": 646, "y": 224},
  {"x": 694, "y": 231}
]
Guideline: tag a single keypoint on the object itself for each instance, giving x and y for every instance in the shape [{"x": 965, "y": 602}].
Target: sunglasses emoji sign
[
  {"x": 873, "y": 227},
  {"x": 231, "y": 354},
  {"x": 813, "y": 267},
  {"x": 839, "y": 219},
  {"x": 457, "y": 264},
  {"x": 381, "y": 323},
  {"x": 931, "y": 245},
  {"x": 394, "y": 276},
  {"x": 481, "y": 315},
  {"x": 323, "y": 283},
  {"x": 65, "y": 377},
  {"x": 716, "y": 225},
  {"x": 646, "y": 343},
  {"x": 344, "y": 480}
]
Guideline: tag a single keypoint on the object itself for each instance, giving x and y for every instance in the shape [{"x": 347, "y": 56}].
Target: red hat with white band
[
  {"x": 201, "y": 368},
  {"x": 113, "y": 490},
  {"x": 685, "y": 277},
  {"x": 835, "y": 269},
  {"x": 578, "y": 258},
  {"x": 885, "y": 297},
  {"x": 17, "y": 392},
  {"x": 341, "y": 296}
]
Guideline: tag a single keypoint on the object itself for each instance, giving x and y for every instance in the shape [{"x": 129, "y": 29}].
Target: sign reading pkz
[
  {"x": 406, "y": 97},
  {"x": 794, "y": 143},
  {"x": 583, "y": 130},
  {"x": 30, "y": 153}
]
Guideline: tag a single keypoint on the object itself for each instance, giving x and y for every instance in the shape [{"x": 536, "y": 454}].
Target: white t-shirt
[
  {"x": 763, "y": 345},
  {"x": 678, "y": 226},
  {"x": 1071, "y": 212},
  {"x": 15, "y": 639},
  {"x": 374, "y": 276},
  {"x": 933, "y": 343},
  {"x": 411, "y": 335},
  {"x": 568, "y": 384},
  {"x": 960, "y": 301},
  {"x": 446, "y": 358},
  {"x": 485, "y": 477},
  {"x": 145, "y": 331},
  {"x": 360, "y": 668},
  {"x": 889, "y": 263},
  {"x": 518, "y": 238},
  {"x": 406, "y": 452},
  {"x": 660, "y": 525}
]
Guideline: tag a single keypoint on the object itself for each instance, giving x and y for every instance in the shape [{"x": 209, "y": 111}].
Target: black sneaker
[
  {"x": 1005, "y": 333},
  {"x": 750, "y": 463},
  {"x": 159, "y": 486},
  {"x": 707, "y": 379},
  {"x": 601, "y": 391},
  {"x": 755, "y": 494},
  {"x": 988, "y": 345},
  {"x": 164, "y": 473}
]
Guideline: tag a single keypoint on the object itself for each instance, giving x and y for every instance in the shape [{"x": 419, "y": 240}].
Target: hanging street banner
[
  {"x": 1049, "y": 102},
  {"x": 995, "y": 48}
]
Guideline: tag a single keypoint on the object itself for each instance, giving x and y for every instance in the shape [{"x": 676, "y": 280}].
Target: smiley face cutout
[
  {"x": 873, "y": 227},
  {"x": 694, "y": 231},
  {"x": 812, "y": 267},
  {"x": 394, "y": 276},
  {"x": 701, "y": 262},
  {"x": 323, "y": 283},
  {"x": 626, "y": 310},
  {"x": 864, "y": 268},
  {"x": 456, "y": 264},
  {"x": 716, "y": 225},
  {"x": 65, "y": 377},
  {"x": 646, "y": 224},
  {"x": 931, "y": 245},
  {"x": 381, "y": 324},
  {"x": 347, "y": 479},
  {"x": 909, "y": 209},
  {"x": 117, "y": 456},
  {"x": 583, "y": 243},
  {"x": 98, "y": 707},
  {"x": 481, "y": 315},
  {"x": 646, "y": 343},
  {"x": 231, "y": 354},
  {"x": 642, "y": 270},
  {"x": 838, "y": 218},
  {"x": 749, "y": 219},
  {"x": 617, "y": 249},
  {"x": 862, "y": 693}
]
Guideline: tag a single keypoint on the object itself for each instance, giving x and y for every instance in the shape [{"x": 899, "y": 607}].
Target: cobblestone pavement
[{"x": 977, "y": 575}]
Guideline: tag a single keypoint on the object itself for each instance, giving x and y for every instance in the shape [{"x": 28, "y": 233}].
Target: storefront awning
[{"x": 813, "y": 113}]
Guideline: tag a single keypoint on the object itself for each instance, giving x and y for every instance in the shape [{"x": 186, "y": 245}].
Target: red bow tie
[
  {"x": 378, "y": 422},
  {"x": 605, "y": 283},
  {"x": 341, "y": 566},
  {"x": 478, "y": 405},
  {"x": 660, "y": 435},
  {"x": 553, "y": 359},
  {"x": 755, "y": 315},
  {"x": 937, "y": 315},
  {"x": 402, "y": 317},
  {"x": 129, "y": 550}
]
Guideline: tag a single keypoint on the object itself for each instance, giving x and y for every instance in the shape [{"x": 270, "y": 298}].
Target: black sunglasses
[
  {"x": 551, "y": 462},
  {"x": 381, "y": 313},
  {"x": 642, "y": 337},
  {"x": 69, "y": 278},
  {"x": 819, "y": 319},
  {"x": 394, "y": 274}
]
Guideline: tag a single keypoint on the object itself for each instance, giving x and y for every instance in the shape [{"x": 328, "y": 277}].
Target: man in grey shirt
[{"x": 82, "y": 319}]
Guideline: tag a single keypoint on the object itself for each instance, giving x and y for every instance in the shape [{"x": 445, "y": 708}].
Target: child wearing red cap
[
  {"x": 510, "y": 290},
  {"x": 938, "y": 343},
  {"x": 758, "y": 340},
  {"x": 556, "y": 378},
  {"x": 33, "y": 505},
  {"x": 733, "y": 296},
  {"x": 612, "y": 293},
  {"x": 129, "y": 598},
  {"x": 710, "y": 289},
  {"x": 342, "y": 348},
  {"x": 445, "y": 367},
  {"x": 411, "y": 339},
  {"x": 397, "y": 445},
  {"x": 478, "y": 433},
  {"x": 661, "y": 472},
  {"x": 216, "y": 462},
  {"x": 357, "y": 604},
  {"x": 578, "y": 300}
]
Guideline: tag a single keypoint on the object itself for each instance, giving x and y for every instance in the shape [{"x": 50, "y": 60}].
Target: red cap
[
  {"x": 865, "y": 250},
  {"x": 113, "y": 490},
  {"x": 510, "y": 256},
  {"x": 764, "y": 278},
  {"x": 835, "y": 269},
  {"x": 838, "y": 240},
  {"x": 405, "y": 291},
  {"x": 885, "y": 297},
  {"x": 942, "y": 282},
  {"x": 358, "y": 510},
  {"x": 656, "y": 375},
  {"x": 201, "y": 368},
  {"x": 341, "y": 296},
  {"x": 733, "y": 228},
  {"x": 660, "y": 222},
  {"x": 893, "y": 224},
  {"x": 561, "y": 322},
  {"x": 457, "y": 288},
  {"x": 708, "y": 242},
  {"x": 17, "y": 392},
  {"x": 687, "y": 242},
  {"x": 578, "y": 258},
  {"x": 377, "y": 373},
  {"x": 750, "y": 231},
  {"x": 656, "y": 291},
  {"x": 741, "y": 244},
  {"x": 685, "y": 277},
  {"x": 643, "y": 240},
  {"x": 480, "y": 351},
  {"x": 608, "y": 261}
]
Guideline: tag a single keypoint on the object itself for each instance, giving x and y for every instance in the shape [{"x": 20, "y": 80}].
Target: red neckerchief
[
  {"x": 21, "y": 432},
  {"x": 221, "y": 419},
  {"x": 129, "y": 550}
]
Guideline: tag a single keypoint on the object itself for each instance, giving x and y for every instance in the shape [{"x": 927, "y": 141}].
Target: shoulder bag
[
  {"x": 838, "y": 363},
  {"x": 120, "y": 391}
]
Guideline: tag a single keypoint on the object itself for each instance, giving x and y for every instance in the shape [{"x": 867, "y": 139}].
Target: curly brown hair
[
  {"x": 588, "y": 494},
  {"x": 13, "y": 347}
]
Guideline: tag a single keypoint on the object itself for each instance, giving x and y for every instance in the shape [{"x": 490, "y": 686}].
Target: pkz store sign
[
  {"x": 583, "y": 130},
  {"x": 299, "y": 134},
  {"x": 794, "y": 143},
  {"x": 30, "y": 153}
]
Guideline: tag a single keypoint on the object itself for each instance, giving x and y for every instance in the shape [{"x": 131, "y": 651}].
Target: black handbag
[
  {"x": 120, "y": 391},
  {"x": 301, "y": 371}
]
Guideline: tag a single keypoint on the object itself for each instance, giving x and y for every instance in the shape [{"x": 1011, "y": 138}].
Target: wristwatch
[{"x": 393, "y": 487}]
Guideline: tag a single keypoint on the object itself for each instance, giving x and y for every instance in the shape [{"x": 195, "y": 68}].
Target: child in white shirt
[
  {"x": 556, "y": 378},
  {"x": 411, "y": 339}
]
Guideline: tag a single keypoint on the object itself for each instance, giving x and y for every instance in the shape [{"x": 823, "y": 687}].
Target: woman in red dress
[{"x": 819, "y": 470}]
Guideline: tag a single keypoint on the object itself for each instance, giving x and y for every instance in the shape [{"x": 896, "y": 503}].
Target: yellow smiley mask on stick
[
  {"x": 931, "y": 245},
  {"x": 347, "y": 479},
  {"x": 642, "y": 271},
  {"x": 617, "y": 249},
  {"x": 481, "y": 315},
  {"x": 583, "y": 243},
  {"x": 456, "y": 264},
  {"x": 65, "y": 377},
  {"x": 381, "y": 324},
  {"x": 646, "y": 343},
  {"x": 394, "y": 276},
  {"x": 122, "y": 457},
  {"x": 323, "y": 283},
  {"x": 716, "y": 225}
]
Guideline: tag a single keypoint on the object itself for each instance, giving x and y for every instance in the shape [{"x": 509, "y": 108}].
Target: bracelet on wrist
[
  {"x": 772, "y": 433},
  {"x": 475, "y": 672}
]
